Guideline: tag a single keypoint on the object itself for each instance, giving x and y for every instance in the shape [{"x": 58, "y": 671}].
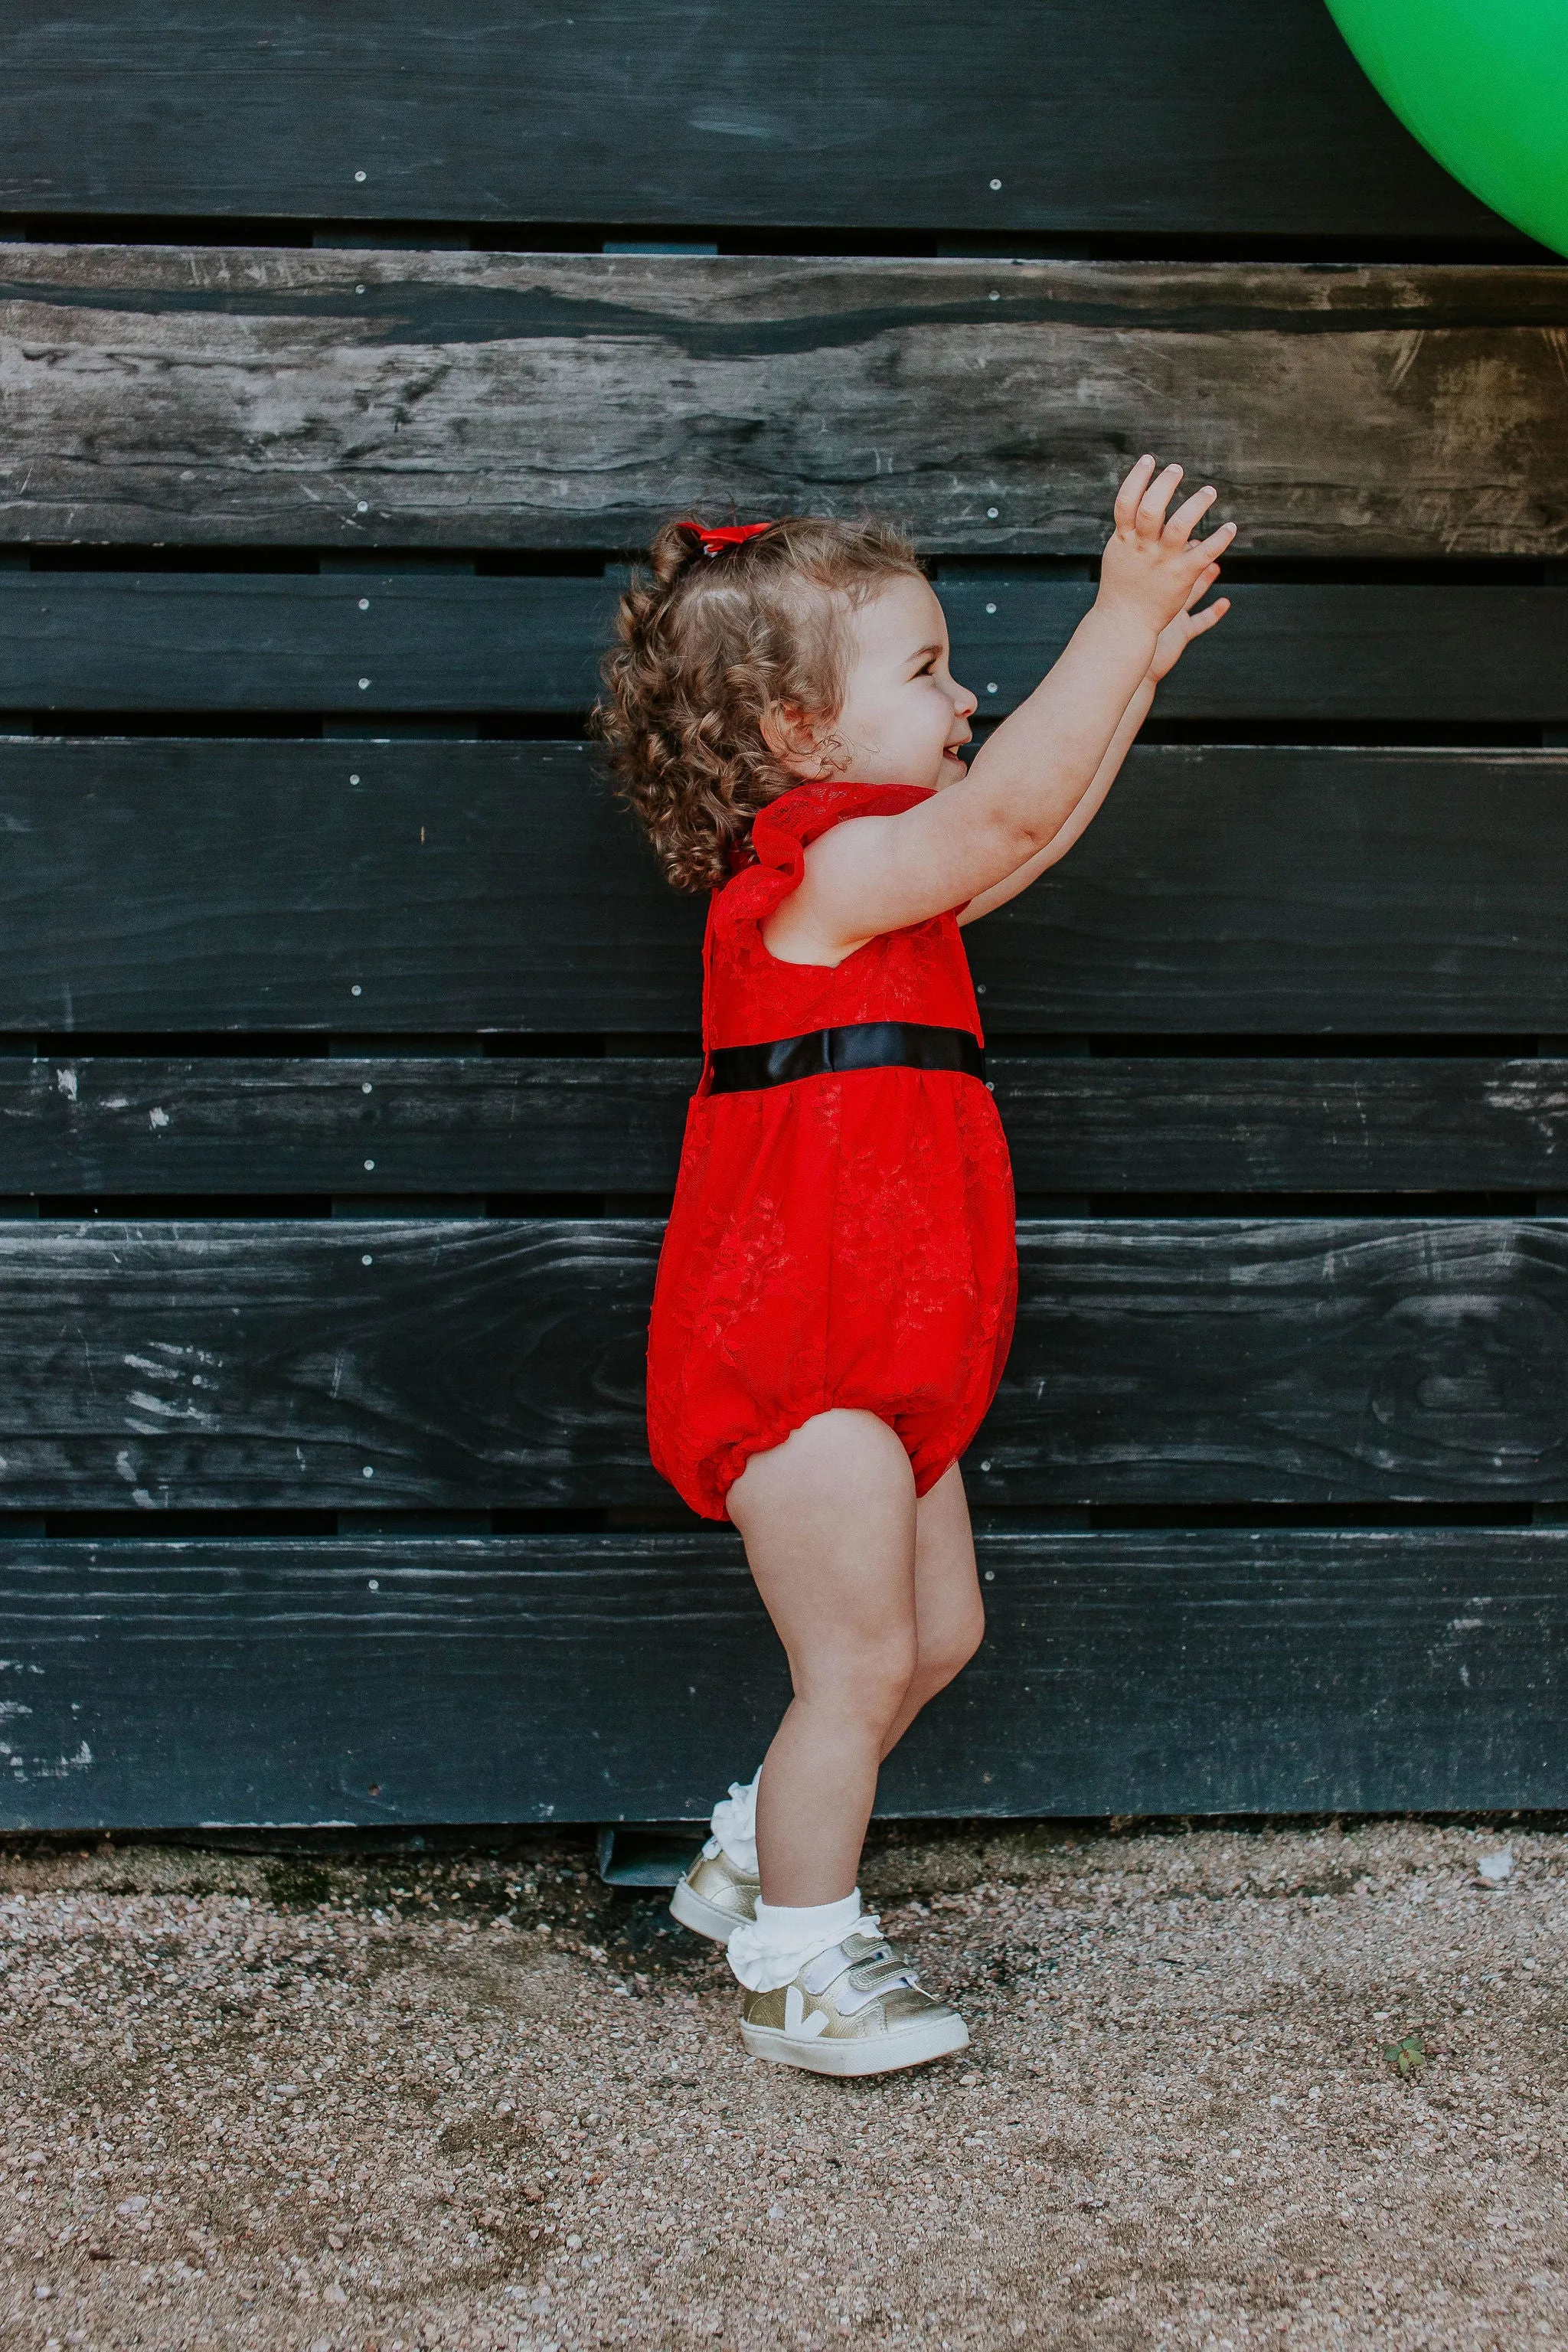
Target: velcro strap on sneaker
[{"x": 830, "y": 1964}]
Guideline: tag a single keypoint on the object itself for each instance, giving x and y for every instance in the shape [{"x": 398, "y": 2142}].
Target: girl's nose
[{"x": 964, "y": 702}]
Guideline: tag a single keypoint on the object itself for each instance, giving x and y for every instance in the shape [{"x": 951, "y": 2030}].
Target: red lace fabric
[{"x": 839, "y": 1241}]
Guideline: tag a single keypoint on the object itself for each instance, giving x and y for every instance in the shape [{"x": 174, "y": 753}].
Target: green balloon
[{"x": 1483, "y": 84}]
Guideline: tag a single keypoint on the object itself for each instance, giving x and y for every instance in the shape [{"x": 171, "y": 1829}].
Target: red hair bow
[{"x": 729, "y": 534}]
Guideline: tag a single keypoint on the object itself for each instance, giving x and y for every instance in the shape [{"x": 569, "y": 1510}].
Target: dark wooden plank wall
[
  {"x": 345, "y": 1029},
  {"x": 690, "y": 112}
]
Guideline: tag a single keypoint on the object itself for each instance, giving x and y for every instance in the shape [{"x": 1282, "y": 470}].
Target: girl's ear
[{"x": 791, "y": 737}]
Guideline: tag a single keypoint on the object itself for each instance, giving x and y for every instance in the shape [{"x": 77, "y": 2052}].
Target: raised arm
[
  {"x": 1026, "y": 782},
  {"x": 1172, "y": 643}
]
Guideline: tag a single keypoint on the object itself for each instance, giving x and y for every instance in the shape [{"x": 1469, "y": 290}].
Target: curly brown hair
[{"x": 707, "y": 646}]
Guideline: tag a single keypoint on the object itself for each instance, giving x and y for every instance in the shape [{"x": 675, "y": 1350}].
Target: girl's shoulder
[{"x": 785, "y": 830}]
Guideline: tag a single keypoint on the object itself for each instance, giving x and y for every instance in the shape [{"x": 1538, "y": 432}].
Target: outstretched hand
[
  {"x": 1154, "y": 570},
  {"x": 1176, "y": 636}
]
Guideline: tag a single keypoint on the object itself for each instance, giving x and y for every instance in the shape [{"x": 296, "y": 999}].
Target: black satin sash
[{"x": 824, "y": 1052}]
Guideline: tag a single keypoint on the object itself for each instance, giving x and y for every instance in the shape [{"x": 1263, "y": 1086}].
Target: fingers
[
  {"x": 1214, "y": 544},
  {"x": 1183, "y": 521},
  {"x": 1152, "y": 506},
  {"x": 1132, "y": 491},
  {"x": 1201, "y": 585},
  {"x": 1198, "y": 622}
]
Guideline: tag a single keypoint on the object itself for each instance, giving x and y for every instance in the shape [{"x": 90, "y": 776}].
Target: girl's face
[{"x": 904, "y": 714}]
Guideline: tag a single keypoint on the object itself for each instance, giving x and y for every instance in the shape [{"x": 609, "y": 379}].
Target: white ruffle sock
[
  {"x": 734, "y": 1824},
  {"x": 783, "y": 1936}
]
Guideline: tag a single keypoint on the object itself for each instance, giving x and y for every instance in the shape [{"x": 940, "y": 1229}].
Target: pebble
[{"x": 1300, "y": 2086}]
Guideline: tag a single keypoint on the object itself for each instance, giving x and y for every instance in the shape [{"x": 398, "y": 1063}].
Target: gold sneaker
[
  {"x": 715, "y": 1897},
  {"x": 857, "y": 2008}
]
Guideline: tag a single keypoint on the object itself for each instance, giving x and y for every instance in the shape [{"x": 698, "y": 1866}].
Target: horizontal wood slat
[
  {"x": 582, "y": 1678},
  {"x": 414, "y": 641},
  {"x": 203, "y": 885},
  {"x": 442, "y": 399},
  {"x": 471, "y": 1364},
  {"x": 683, "y": 111},
  {"x": 86, "y": 1124}
]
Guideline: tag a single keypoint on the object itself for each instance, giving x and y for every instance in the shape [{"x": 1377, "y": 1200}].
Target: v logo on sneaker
[{"x": 796, "y": 2021}]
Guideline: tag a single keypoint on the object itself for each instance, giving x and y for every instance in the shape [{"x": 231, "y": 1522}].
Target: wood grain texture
[
  {"x": 439, "y": 642},
  {"x": 472, "y": 1364},
  {"x": 363, "y": 399},
  {"x": 495, "y": 886},
  {"x": 399, "y": 1125},
  {"x": 577, "y": 1677},
  {"x": 684, "y": 111}
]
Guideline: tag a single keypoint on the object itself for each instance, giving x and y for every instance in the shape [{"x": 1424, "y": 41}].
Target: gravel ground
[{"x": 1228, "y": 2087}]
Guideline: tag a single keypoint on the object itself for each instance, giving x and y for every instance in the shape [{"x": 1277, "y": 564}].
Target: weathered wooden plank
[
  {"x": 333, "y": 398},
  {"x": 401, "y": 641},
  {"x": 199, "y": 886},
  {"x": 580, "y": 1677},
  {"x": 495, "y": 886},
  {"x": 1293, "y": 649},
  {"x": 429, "y": 641},
  {"x": 400, "y": 1125},
  {"x": 473, "y": 1364},
  {"x": 687, "y": 112}
]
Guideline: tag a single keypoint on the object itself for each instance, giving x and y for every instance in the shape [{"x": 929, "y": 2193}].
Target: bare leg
[
  {"x": 950, "y": 1616},
  {"x": 829, "y": 1520}
]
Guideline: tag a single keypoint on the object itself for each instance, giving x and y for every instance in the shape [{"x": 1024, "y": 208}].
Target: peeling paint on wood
[{"x": 220, "y": 396}]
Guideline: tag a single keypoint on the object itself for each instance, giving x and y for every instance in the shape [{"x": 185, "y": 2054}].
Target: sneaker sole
[
  {"x": 882, "y": 2054},
  {"x": 704, "y": 1918}
]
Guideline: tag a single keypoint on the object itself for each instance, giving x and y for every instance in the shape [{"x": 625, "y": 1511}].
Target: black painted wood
[
  {"x": 683, "y": 111},
  {"x": 1293, "y": 650},
  {"x": 432, "y": 641},
  {"x": 80, "y": 1124},
  {"x": 555, "y": 1678},
  {"x": 408, "y": 640},
  {"x": 370, "y": 399},
  {"x": 349, "y": 887},
  {"x": 474, "y": 1364},
  {"x": 495, "y": 886}
]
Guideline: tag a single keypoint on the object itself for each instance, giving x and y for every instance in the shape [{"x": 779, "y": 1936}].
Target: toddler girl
[{"x": 836, "y": 1292}]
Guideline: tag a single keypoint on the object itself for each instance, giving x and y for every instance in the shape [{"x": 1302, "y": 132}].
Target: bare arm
[
  {"x": 1087, "y": 808},
  {"x": 1173, "y": 641},
  {"x": 878, "y": 874}
]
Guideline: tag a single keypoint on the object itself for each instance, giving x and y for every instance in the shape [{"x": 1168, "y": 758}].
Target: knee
[
  {"x": 871, "y": 1678},
  {"x": 945, "y": 1651}
]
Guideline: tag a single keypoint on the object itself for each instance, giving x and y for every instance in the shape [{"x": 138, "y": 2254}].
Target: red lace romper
[{"x": 843, "y": 1239}]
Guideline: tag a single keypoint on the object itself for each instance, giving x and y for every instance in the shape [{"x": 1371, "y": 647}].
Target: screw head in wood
[
  {"x": 359, "y": 175},
  {"x": 996, "y": 184}
]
